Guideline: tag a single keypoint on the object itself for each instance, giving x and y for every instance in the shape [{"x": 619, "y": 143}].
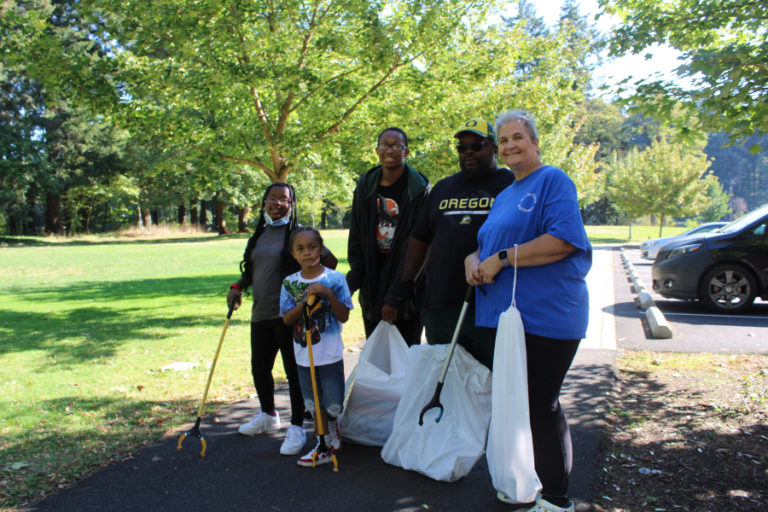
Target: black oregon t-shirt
[{"x": 456, "y": 208}]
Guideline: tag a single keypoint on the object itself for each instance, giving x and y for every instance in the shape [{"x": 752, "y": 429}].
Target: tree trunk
[
  {"x": 28, "y": 226},
  {"x": 221, "y": 224},
  {"x": 203, "y": 214},
  {"x": 323, "y": 220},
  {"x": 13, "y": 225},
  {"x": 182, "y": 214},
  {"x": 661, "y": 224},
  {"x": 84, "y": 214},
  {"x": 155, "y": 217},
  {"x": 53, "y": 224},
  {"x": 87, "y": 213},
  {"x": 193, "y": 214},
  {"x": 242, "y": 219},
  {"x": 105, "y": 217},
  {"x": 146, "y": 218}
]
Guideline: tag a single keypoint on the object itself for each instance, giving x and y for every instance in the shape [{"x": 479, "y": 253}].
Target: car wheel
[{"x": 727, "y": 288}]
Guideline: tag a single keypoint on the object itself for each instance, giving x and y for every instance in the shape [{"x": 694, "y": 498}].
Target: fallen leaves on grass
[{"x": 685, "y": 433}]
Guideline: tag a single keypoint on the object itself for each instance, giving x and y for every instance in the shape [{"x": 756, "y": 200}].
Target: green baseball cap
[{"x": 478, "y": 126}]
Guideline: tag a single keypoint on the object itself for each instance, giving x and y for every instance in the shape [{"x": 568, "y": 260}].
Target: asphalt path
[
  {"x": 694, "y": 328},
  {"x": 242, "y": 473},
  {"x": 247, "y": 473}
]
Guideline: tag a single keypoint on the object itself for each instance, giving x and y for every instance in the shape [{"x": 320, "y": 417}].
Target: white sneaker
[
  {"x": 315, "y": 458},
  {"x": 260, "y": 423},
  {"x": 295, "y": 439},
  {"x": 543, "y": 505}
]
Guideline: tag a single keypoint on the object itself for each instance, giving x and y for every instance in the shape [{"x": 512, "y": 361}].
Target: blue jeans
[{"x": 330, "y": 387}]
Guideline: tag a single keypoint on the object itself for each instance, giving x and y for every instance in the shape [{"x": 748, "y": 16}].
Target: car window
[
  {"x": 746, "y": 220},
  {"x": 759, "y": 230}
]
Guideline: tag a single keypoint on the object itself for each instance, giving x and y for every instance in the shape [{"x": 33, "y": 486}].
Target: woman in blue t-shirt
[{"x": 540, "y": 213}]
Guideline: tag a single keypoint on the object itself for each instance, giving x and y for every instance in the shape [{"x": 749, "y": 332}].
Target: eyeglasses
[
  {"x": 381, "y": 146},
  {"x": 281, "y": 200},
  {"x": 475, "y": 146}
]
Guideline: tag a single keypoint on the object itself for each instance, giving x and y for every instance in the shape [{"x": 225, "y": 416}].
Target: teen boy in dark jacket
[{"x": 386, "y": 203}]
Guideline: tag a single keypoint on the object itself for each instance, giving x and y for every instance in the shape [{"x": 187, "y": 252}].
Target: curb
[{"x": 657, "y": 323}]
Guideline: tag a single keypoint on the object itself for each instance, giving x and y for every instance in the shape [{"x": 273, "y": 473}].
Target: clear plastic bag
[{"x": 374, "y": 389}]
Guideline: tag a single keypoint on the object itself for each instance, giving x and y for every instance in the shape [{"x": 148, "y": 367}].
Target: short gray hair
[{"x": 518, "y": 115}]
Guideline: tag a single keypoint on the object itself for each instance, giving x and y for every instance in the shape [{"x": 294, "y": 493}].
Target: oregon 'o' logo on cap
[{"x": 471, "y": 124}]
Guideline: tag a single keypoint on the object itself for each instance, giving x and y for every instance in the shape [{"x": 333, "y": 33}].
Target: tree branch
[{"x": 257, "y": 163}]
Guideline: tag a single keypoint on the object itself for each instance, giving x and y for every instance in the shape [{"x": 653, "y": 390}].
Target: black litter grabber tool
[
  {"x": 320, "y": 420},
  {"x": 195, "y": 431},
  {"x": 435, "y": 401}
]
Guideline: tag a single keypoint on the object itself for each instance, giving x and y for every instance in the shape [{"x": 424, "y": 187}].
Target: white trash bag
[
  {"x": 374, "y": 388},
  {"x": 510, "y": 443},
  {"x": 445, "y": 450}
]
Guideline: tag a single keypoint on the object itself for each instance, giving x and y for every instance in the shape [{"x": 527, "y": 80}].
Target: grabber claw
[
  {"x": 323, "y": 448},
  {"x": 194, "y": 432},
  {"x": 433, "y": 403}
]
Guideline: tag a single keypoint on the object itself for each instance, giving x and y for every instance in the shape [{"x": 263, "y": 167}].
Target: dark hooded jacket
[{"x": 380, "y": 285}]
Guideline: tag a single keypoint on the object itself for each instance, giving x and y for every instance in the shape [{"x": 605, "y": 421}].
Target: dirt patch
[{"x": 687, "y": 432}]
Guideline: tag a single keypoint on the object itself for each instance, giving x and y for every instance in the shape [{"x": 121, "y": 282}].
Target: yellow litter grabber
[
  {"x": 195, "y": 431},
  {"x": 320, "y": 419}
]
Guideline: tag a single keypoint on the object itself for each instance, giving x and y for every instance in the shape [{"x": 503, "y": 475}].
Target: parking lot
[{"x": 695, "y": 329}]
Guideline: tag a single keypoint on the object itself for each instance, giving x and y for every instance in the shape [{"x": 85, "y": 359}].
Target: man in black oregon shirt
[{"x": 446, "y": 232}]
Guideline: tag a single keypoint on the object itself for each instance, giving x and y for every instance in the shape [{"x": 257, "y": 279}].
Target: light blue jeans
[{"x": 330, "y": 388}]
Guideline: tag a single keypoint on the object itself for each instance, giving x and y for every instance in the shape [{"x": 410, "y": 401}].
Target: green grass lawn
[{"x": 87, "y": 327}]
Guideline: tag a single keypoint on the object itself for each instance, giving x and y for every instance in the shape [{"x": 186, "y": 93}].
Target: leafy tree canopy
[
  {"x": 725, "y": 46},
  {"x": 219, "y": 98}
]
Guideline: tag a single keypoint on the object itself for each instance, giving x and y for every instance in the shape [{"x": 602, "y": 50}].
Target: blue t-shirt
[
  {"x": 327, "y": 345},
  {"x": 553, "y": 298}
]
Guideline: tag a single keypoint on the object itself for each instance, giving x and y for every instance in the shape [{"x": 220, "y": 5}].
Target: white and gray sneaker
[
  {"x": 295, "y": 439},
  {"x": 260, "y": 423}
]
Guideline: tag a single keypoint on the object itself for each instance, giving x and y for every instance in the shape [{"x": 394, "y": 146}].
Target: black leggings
[
  {"x": 267, "y": 337},
  {"x": 548, "y": 361}
]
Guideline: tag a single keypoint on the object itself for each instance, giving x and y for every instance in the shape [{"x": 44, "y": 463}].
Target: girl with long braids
[{"x": 266, "y": 261}]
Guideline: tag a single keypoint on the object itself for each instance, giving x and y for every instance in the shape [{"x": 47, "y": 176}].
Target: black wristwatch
[{"x": 503, "y": 257}]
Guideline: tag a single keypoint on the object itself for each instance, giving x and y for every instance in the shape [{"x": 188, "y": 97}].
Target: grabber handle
[
  {"x": 435, "y": 401},
  {"x": 468, "y": 293},
  {"x": 456, "y": 331},
  {"x": 319, "y": 417},
  {"x": 215, "y": 359},
  {"x": 195, "y": 431}
]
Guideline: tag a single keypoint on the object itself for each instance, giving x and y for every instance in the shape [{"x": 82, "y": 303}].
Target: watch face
[{"x": 503, "y": 255}]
